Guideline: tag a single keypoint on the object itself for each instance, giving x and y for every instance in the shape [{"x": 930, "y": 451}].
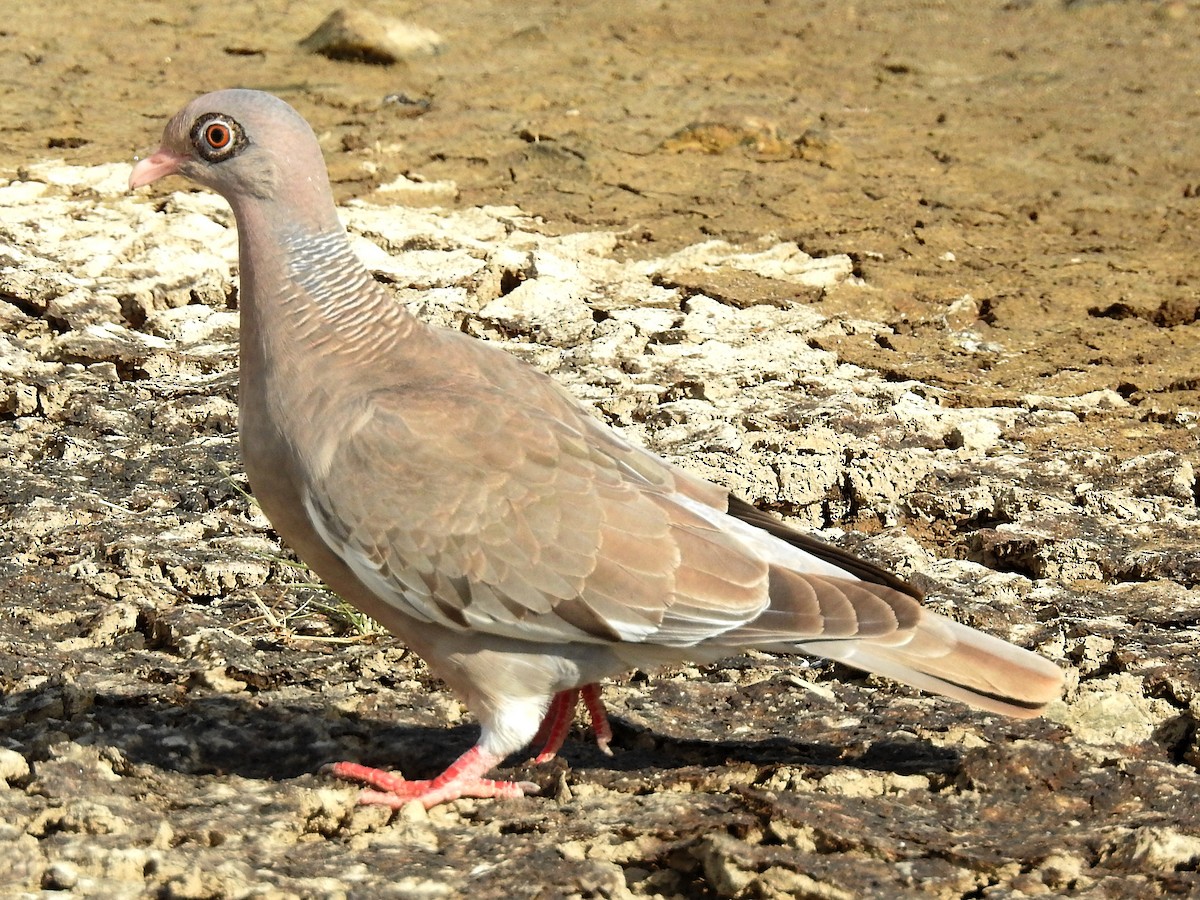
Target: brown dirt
[
  {"x": 1049, "y": 147},
  {"x": 1022, "y": 175}
]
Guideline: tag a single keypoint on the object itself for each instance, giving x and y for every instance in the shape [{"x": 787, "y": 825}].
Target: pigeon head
[{"x": 248, "y": 146}]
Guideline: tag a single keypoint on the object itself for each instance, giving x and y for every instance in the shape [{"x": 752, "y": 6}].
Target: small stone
[
  {"x": 562, "y": 789},
  {"x": 1060, "y": 870},
  {"x": 725, "y": 872},
  {"x": 1153, "y": 849},
  {"x": 573, "y": 851},
  {"x": 14, "y": 768},
  {"x": 106, "y": 342},
  {"x": 780, "y": 882},
  {"x": 19, "y": 192},
  {"x": 1113, "y": 710},
  {"x": 546, "y": 306},
  {"x": 974, "y": 437},
  {"x": 1090, "y": 402},
  {"x": 416, "y": 888},
  {"x": 413, "y": 811},
  {"x": 60, "y": 876},
  {"x": 22, "y": 864},
  {"x": 413, "y": 192},
  {"x": 1092, "y": 653},
  {"x": 798, "y": 837},
  {"x": 80, "y": 307},
  {"x": 193, "y": 324},
  {"x": 726, "y": 128},
  {"x": 216, "y": 679},
  {"x": 356, "y": 35}
]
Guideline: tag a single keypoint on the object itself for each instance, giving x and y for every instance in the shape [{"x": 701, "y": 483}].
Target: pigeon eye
[{"x": 217, "y": 137}]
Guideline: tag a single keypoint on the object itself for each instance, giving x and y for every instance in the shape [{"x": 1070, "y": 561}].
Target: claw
[{"x": 463, "y": 778}]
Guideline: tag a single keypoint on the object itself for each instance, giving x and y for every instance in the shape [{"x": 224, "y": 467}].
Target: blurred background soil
[{"x": 1036, "y": 158}]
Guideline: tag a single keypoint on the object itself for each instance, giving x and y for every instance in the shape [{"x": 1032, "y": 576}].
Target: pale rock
[
  {"x": 1092, "y": 652},
  {"x": 545, "y": 306},
  {"x": 782, "y": 261},
  {"x": 413, "y": 887},
  {"x": 216, "y": 578},
  {"x": 1113, "y": 711},
  {"x": 780, "y": 883},
  {"x": 1164, "y": 472},
  {"x": 855, "y": 783},
  {"x": 18, "y": 400},
  {"x": 17, "y": 362},
  {"x": 358, "y": 35},
  {"x": 422, "y": 269},
  {"x": 808, "y": 480},
  {"x": 217, "y": 679},
  {"x": 446, "y": 307},
  {"x": 616, "y": 341},
  {"x": 188, "y": 326},
  {"x": 104, "y": 180},
  {"x": 1073, "y": 559},
  {"x": 977, "y": 436},
  {"x": 592, "y": 248},
  {"x": 20, "y": 192},
  {"x": 1152, "y": 849},
  {"x": 649, "y": 320},
  {"x": 89, "y": 817},
  {"x": 413, "y": 191},
  {"x": 79, "y": 308},
  {"x": 14, "y": 768},
  {"x": 107, "y": 342},
  {"x": 1096, "y": 400},
  {"x": 881, "y": 484},
  {"x": 1061, "y": 870},
  {"x": 61, "y": 876},
  {"x": 726, "y": 873},
  {"x": 23, "y": 864}
]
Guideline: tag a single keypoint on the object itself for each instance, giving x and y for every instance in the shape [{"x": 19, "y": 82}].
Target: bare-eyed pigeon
[{"x": 460, "y": 497}]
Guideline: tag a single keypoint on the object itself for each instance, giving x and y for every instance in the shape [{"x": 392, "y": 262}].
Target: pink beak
[{"x": 154, "y": 167}]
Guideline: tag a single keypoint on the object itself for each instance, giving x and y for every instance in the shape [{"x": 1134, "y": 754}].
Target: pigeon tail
[
  {"x": 877, "y": 628},
  {"x": 868, "y": 618},
  {"x": 955, "y": 661}
]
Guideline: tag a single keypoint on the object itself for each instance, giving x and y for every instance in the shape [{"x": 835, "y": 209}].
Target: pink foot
[
  {"x": 553, "y": 730},
  {"x": 599, "y": 716},
  {"x": 463, "y": 778}
]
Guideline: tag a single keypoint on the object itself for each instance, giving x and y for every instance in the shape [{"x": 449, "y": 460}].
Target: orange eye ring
[{"x": 217, "y": 135}]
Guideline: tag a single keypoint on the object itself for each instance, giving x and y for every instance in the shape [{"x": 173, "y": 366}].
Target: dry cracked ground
[{"x": 919, "y": 276}]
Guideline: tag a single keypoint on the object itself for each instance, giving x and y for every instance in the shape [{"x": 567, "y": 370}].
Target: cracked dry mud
[{"x": 918, "y": 276}]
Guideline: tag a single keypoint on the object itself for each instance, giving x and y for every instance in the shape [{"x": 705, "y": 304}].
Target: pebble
[
  {"x": 14, "y": 768},
  {"x": 357, "y": 35}
]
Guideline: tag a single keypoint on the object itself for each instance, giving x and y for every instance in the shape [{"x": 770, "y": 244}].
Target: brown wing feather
[
  {"x": 509, "y": 517},
  {"x": 860, "y": 568}
]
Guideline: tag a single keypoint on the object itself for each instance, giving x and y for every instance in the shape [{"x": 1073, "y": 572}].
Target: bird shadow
[{"x": 257, "y": 737}]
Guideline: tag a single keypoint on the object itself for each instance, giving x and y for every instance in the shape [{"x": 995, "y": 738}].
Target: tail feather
[
  {"x": 956, "y": 661},
  {"x": 826, "y": 602}
]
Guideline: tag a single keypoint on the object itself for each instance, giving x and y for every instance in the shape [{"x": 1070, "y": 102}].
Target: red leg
[
  {"x": 463, "y": 778},
  {"x": 553, "y": 730},
  {"x": 554, "y": 727},
  {"x": 599, "y": 716}
]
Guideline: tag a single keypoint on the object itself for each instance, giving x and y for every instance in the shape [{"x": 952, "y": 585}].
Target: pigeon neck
[{"x": 305, "y": 289}]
